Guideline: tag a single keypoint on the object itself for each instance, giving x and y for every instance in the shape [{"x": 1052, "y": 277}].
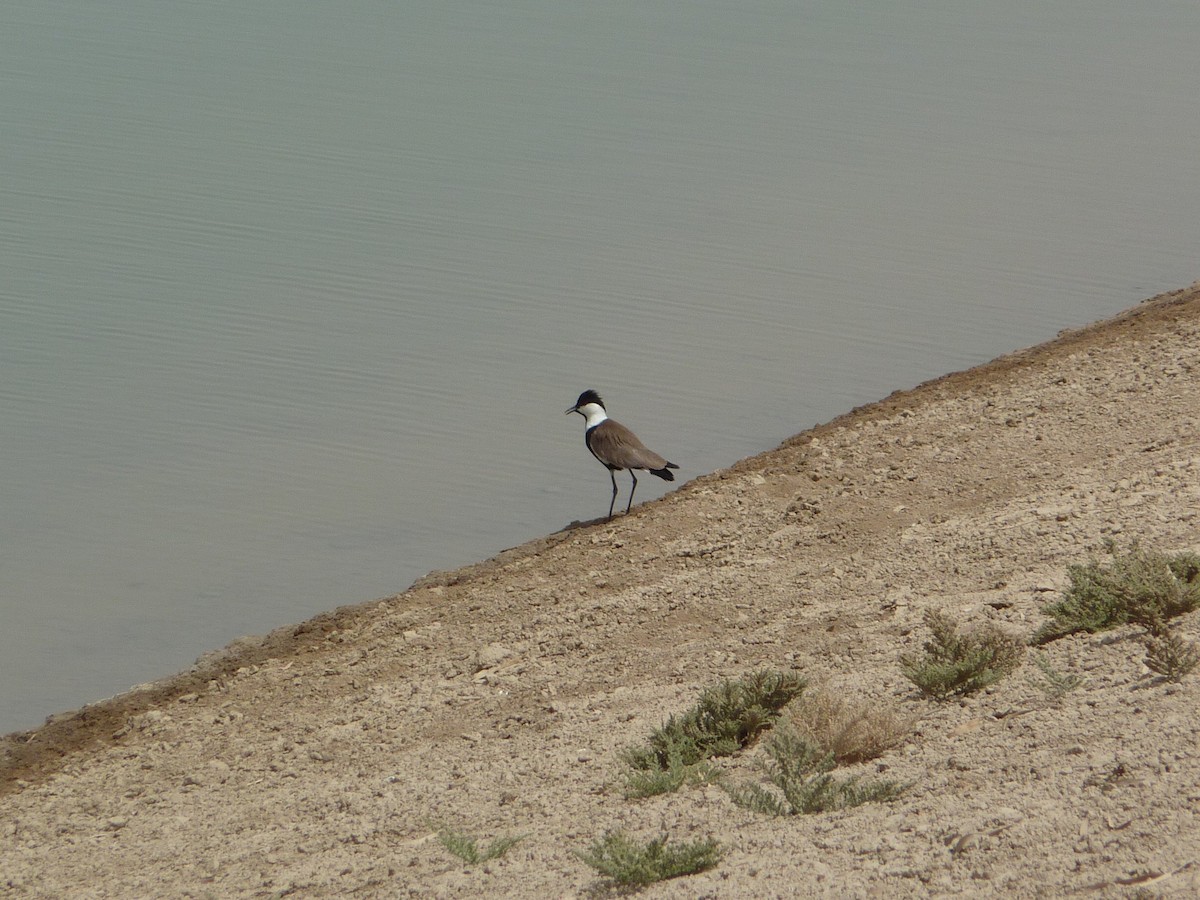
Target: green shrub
[
  {"x": 467, "y": 848},
  {"x": 799, "y": 771},
  {"x": 726, "y": 718},
  {"x": 656, "y": 779},
  {"x": 1171, "y": 656},
  {"x": 629, "y": 862},
  {"x": 1141, "y": 587},
  {"x": 1053, "y": 683},
  {"x": 959, "y": 664}
]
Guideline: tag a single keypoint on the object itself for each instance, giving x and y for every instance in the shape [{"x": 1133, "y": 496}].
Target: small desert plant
[
  {"x": 630, "y": 862},
  {"x": 657, "y": 779},
  {"x": 467, "y": 848},
  {"x": 726, "y": 718},
  {"x": 959, "y": 664},
  {"x": 853, "y": 731},
  {"x": 1053, "y": 683},
  {"x": 1138, "y": 586},
  {"x": 1171, "y": 656},
  {"x": 799, "y": 771}
]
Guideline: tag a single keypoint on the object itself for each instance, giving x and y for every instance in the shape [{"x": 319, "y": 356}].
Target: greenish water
[{"x": 292, "y": 296}]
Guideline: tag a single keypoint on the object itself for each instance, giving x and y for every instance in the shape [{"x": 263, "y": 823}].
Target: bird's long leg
[
  {"x": 631, "y": 490},
  {"x": 612, "y": 474}
]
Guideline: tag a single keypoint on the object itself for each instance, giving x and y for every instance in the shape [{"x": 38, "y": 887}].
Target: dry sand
[{"x": 496, "y": 699}]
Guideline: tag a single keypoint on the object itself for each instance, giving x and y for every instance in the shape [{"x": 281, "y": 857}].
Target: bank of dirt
[{"x": 319, "y": 761}]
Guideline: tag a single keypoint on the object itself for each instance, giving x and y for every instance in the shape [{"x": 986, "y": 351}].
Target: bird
[{"x": 616, "y": 446}]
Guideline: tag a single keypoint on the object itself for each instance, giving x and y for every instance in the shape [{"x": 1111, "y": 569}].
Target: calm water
[{"x": 292, "y": 296}]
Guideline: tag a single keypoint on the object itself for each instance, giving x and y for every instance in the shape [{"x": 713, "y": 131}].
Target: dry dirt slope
[{"x": 495, "y": 699}]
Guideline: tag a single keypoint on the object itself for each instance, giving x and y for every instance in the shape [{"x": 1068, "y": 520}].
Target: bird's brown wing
[{"x": 615, "y": 445}]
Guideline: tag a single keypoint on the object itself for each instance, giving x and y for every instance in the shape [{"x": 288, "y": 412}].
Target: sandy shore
[{"x": 317, "y": 761}]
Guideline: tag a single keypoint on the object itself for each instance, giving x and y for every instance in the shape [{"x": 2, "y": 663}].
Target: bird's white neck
[{"x": 593, "y": 414}]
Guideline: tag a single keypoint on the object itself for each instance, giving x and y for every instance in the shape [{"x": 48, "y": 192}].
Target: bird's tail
[{"x": 665, "y": 472}]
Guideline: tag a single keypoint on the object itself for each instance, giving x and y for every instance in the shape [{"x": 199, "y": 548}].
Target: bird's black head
[{"x": 589, "y": 396}]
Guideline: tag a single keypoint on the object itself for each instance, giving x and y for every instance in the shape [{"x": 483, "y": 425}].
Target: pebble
[{"x": 490, "y": 656}]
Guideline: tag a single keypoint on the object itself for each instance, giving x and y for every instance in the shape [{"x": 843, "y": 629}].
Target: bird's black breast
[{"x": 587, "y": 439}]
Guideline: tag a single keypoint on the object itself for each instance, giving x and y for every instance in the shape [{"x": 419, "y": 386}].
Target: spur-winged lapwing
[{"x": 616, "y": 446}]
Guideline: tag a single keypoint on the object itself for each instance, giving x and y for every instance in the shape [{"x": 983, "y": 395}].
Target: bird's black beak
[{"x": 572, "y": 409}]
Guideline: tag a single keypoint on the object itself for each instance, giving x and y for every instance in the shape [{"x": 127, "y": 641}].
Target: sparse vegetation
[
  {"x": 955, "y": 664},
  {"x": 1051, "y": 682},
  {"x": 799, "y": 770},
  {"x": 467, "y": 848},
  {"x": 1171, "y": 656},
  {"x": 1109, "y": 780},
  {"x": 1139, "y": 586},
  {"x": 656, "y": 779},
  {"x": 852, "y": 730},
  {"x": 630, "y": 862},
  {"x": 726, "y": 718}
]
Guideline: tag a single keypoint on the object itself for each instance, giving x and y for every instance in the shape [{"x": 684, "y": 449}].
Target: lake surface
[{"x": 293, "y": 296}]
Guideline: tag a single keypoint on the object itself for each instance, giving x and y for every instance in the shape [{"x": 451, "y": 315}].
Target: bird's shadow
[
  {"x": 586, "y": 523},
  {"x": 576, "y": 524}
]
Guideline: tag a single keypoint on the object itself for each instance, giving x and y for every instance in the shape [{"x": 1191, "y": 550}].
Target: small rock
[
  {"x": 967, "y": 842},
  {"x": 966, "y": 727},
  {"x": 490, "y": 656}
]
